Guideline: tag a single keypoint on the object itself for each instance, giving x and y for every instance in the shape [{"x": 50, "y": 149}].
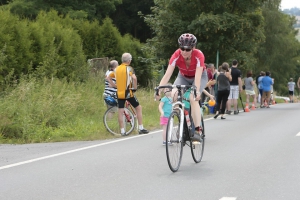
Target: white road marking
[
  {"x": 228, "y": 198},
  {"x": 72, "y": 151},
  {"x": 76, "y": 150},
  {"x": 298, "y": 134}
]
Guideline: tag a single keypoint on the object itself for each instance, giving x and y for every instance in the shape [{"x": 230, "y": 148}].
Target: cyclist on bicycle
[
  {"x": 192, "y": 71},
  {"x": 126, "y": 79}
]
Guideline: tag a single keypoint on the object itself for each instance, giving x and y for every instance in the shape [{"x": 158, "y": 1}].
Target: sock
[
  {"x": 141, "y": 127},
  {"x": 122, "y": 130}
]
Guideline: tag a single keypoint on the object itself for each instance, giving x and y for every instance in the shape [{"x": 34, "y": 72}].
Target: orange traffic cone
[
  {"x": 253, "y": 106},
  {"x": 247, "y": 108}
]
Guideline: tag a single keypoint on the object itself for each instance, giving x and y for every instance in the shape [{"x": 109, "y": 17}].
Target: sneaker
[
  {"x": 143, "y": 131},
  {"x": 228, "y": 112},
  {"x": 197, "y": 135},
  {"x": 236, "y": 112}
]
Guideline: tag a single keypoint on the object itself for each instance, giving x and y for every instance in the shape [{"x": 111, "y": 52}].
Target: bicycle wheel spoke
[
  {"x": 174, "y": 145},
  {"x": 197, "y": 147},
  {"x": 128, "y": 120},
  {"x": 111, "y": 121}
]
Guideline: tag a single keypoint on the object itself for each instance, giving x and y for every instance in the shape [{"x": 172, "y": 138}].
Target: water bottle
[{"x": 187, "y": 117}]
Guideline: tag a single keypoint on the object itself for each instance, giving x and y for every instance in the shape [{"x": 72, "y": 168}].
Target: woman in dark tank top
[{"x": 223, "y": 81}]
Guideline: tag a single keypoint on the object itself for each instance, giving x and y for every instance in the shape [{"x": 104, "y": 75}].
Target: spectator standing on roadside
[
  {"x": 126, "y": 80},
  {"x": 249, "y": 89},
  {"x": 256, "y": 81},
  {"x": 165, "y": 109},
  {"x": 211, "y": 71},
  {"x": 235, "y": 88},
  {"x": 266, "y": 84},
  {"x": 223, "y": 82},
  {"x": 291, "y": 87},
  {"x": 217, "y": 72},
  {"x": 207, "y": 87},
  {"x": 109, "y": 90},
  {"x": 259, "y": 85}
]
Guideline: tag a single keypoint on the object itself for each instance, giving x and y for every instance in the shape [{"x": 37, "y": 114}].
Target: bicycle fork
[{"x": 175, "y": 106}]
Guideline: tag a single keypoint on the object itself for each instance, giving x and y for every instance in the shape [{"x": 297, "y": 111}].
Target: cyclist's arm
[
  {"x": 298, "y": 83},
  {"x": 134, "y": 81},
  {"x": 165, "y": 79}
]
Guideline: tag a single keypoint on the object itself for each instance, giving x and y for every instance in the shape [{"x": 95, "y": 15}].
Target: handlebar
[{"x": 179, "y": 87}]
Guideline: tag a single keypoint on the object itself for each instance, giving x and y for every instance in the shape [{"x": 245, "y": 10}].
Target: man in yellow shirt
[{"x": 126, "y": 83}]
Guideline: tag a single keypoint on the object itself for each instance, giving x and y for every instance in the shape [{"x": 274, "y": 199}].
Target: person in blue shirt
[
  {"x": 165, "y": 109},
  {"x": 266, "y": 82}
]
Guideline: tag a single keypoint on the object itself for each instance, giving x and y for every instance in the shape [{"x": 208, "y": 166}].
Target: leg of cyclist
[
  {"x": 134, "y": 102},
  {"x": 196, "y": 113},
  {"x": 121, "y": 104}
]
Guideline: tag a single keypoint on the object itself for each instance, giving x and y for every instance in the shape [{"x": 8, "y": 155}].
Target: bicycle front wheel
[
  {"x": 197, "y": 147},
  {"x": 111, "y": 122},
  {"x": 174, "y": 147}
]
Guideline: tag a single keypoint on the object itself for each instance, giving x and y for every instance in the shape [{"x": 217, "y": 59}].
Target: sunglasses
[{"x": 185, "y": 49}]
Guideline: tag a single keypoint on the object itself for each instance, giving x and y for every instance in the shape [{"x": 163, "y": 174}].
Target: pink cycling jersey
[{"x": 197, "y": 60}]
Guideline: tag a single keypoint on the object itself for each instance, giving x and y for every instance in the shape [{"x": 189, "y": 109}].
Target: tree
[
  {"x": 235, "y": 28},
  {"x": 280, "y": 52},
  {"x": 93, "y": 9},
  {"x": 127, "y": 19}
]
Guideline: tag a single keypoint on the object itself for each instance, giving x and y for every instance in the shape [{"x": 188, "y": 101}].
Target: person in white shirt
[{"x": 291, "y": 86}]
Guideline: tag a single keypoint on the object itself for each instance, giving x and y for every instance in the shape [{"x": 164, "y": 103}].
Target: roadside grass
[
  {"x": 54, "y": 110},
  {"x": 36, "y": 111}
]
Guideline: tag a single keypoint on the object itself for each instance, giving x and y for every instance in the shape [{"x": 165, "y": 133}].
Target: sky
[{"x": 288, "y": 4}]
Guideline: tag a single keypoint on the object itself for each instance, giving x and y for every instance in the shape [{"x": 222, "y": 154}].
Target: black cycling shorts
[{"x": 132, "y": 100}]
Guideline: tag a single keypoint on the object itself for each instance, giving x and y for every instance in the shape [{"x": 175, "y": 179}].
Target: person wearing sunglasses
[{"x": 192, "y": 71}]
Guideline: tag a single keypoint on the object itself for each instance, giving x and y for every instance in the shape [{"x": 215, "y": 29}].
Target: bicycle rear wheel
[
  {"x": 174, "y": 147},
  {"x": 197, "y": 148},
  {"x": 111, "y": 123}
]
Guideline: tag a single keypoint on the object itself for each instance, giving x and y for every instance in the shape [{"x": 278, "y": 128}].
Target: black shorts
[
  {"x": 291, "y": 92},
  {"x": 132, "y": 100}
]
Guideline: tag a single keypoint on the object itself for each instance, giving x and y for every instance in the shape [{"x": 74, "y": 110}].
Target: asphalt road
[{"x": 248, "y": 156}]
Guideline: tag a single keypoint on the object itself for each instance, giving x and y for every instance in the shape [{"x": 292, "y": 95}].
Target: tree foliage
[
  {"x": 235, "y": 28},
  {"x": 280, "y": 53},
  {"x": 93, "y": 9},
  {"x": 54, "y": 45},
  {"x": 127, "y": 19}
]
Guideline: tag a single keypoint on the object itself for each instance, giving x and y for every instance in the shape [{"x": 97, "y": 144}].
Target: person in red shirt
[{"x": 192, "y": 71}]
